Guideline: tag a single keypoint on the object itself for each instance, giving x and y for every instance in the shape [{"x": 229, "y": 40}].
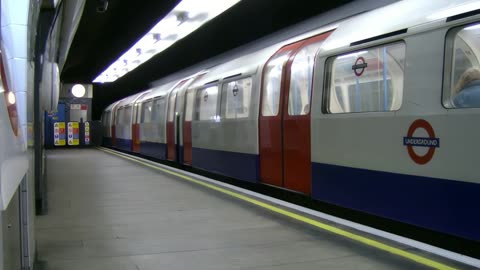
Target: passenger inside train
[
  {"x": 468, "y": 89},
  {"x": 465, "y": 85}
]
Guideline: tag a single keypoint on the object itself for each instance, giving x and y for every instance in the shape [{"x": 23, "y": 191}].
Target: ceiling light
[{"x": 185, "y": 18}]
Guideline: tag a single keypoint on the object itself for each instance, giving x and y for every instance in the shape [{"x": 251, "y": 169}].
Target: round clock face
[{"x": 10, "y": 99}]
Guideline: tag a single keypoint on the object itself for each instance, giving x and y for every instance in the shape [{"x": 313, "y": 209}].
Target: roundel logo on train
[
  {"x": 431, "y": 142},
  {"x": 360, "y": 66}
]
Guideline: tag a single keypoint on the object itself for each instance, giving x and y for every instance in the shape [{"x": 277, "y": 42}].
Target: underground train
[{"x": 362, "y": 113}]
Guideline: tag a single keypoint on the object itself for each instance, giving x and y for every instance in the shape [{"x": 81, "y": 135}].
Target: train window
[
  {"x": 137, "y": 113},
  {"x": 236, "y": 98},
  {"x": 171, "y": 105},
  {"x": 206, "y": 103},
  {"x": 158, "y": 110},
  {"x": 301, "y": 80},
  {"x": 272, "y": 83},
  {"x": 370, "y": 80},
  {"x": 119, "y": 118},
  {"x": 189, "y": 105},
  {"x": 462, "y": 71},
  {"x": 128, "y": 115},
  {"x": 147, "y": 112}
]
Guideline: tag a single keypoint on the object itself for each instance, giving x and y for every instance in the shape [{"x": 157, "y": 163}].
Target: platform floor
[{"x": 106, "y": 212}]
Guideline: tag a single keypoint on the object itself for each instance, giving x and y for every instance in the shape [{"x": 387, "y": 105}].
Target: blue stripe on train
[
  {"x": 155, "y": 150},
  {"x": 123, "y": 144},
  {"x": 446, "y": 206},
  {"x": 237, "y": 165}
]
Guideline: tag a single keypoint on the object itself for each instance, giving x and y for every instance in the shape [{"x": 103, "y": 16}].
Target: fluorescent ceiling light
[
  {"x": 185, "y": 18},
  {"x": 455, "y": 10}
]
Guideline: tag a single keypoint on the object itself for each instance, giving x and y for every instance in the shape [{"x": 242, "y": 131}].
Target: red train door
[
  {"x": 136, "y": 129},
  {"x": 187, "y": 127},
  {"x": 171, "y": 146},
  {"x": 284, "y": 123},
  {"x": 271, "y": 117}
]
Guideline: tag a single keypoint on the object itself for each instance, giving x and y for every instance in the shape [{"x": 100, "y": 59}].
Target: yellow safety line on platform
[{"x": 332, "y": 229}]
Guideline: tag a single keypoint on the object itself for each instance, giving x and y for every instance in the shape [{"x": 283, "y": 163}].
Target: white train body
[{"x": 362, "y": 114}]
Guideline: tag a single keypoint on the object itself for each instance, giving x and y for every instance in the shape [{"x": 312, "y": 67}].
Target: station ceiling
[{"x": 102, "y": 37}]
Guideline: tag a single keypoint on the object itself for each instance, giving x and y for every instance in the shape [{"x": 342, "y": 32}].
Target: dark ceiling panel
[{"x": 102, "y": 37}]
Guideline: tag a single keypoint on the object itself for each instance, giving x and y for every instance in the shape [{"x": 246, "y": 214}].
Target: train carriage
[
  {"x": 124, "y": 113},
  {"x": 368, "y": 113},
  {"x": 151, "y": 122},
  {"x": 376, "y": 95},
  {"x": 108, "y": 122}
]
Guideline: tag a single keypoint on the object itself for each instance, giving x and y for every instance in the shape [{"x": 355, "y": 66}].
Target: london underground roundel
[
  {"x": 10, "y": 98},
  {"x": 430, "y": 142}
]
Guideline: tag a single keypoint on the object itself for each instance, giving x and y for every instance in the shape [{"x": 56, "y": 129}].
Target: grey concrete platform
[{"x": 106, "y": 212}]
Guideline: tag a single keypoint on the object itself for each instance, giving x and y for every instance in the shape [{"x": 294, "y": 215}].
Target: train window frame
[
  {"x": 326, "y": 97},
  {"x": 197, "y": 105},
  {"x": 224, "y": 96},
  {"x": 448, "y": 84}
]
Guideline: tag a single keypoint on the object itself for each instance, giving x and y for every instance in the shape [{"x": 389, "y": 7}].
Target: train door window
[
  {"x": 147, "y": 112},
  {"x": 236, "y": 97},
  {"x": 128, "y": 115},
  {"x": 171, "y": 105},
  {"x": 189, "y": 105},
  {"x": 301, "y": 73},
  {"x": 370, "y": 80},
  {"x": 138, "y": 109},
  {"x": 119, "y": 118},
  {"x": 158, "y": 110},
  {"x": 461, "y": 88},
  {"x": 272, "y": 83},
  {"x": 206, "y": 103}
]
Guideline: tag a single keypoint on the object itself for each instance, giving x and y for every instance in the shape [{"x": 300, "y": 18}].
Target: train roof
[
  {"x": 242, "y": 66},
  {"x": 158, "y": 91},
  {"x": 348, "y": 32},
  {"x": 129, "y": 100},
  {"x": 111, "y": 106},
  {"x": 394, "y": 19}
]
